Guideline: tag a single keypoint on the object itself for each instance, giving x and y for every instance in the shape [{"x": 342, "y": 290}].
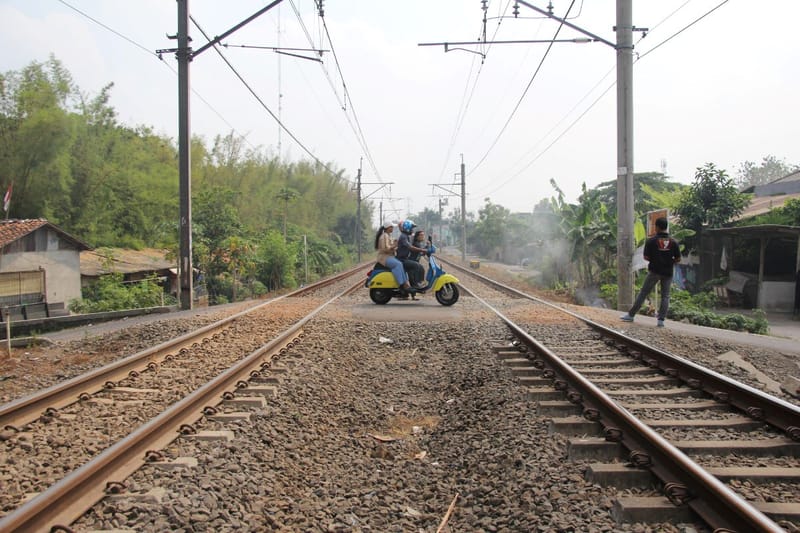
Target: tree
[
  {"x": 770, "y": 169},
  {"x": 711, "y": 201},
  {"x": 590, "y": 228},
  {"x": 490, "y": 230}
]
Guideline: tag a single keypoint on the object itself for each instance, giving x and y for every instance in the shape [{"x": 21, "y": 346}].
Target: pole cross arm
[
  {"x": 567, "y": 23},
  {"x": 246, "y": 21},
  {"x": 382, "y": 185}
]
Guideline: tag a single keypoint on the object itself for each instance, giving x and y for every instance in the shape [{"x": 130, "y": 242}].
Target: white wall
[
  {"x": 62, "y": 271},
  {"x": 776, "y": 296}
]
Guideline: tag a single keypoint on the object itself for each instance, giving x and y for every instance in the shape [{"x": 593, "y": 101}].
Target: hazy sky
[{"x": 724, "y": 90}]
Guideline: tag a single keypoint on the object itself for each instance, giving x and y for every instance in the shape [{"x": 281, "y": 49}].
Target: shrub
[{"x": 110, "y": 293}]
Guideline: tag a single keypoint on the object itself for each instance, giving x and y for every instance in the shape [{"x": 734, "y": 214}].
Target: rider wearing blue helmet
[{"x": 416, "y": 271}]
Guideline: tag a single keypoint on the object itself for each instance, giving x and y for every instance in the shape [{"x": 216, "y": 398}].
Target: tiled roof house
[{"x": 38, "y": 262}]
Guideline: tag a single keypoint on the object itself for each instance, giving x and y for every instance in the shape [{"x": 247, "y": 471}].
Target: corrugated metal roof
[
  {"x": 760, "y": 205},
  {"x": 124, "y": 261},
  {"x": 14, "y": 229}
]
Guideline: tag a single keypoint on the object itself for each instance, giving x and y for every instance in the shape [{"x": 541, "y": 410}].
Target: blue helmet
[{"x": 408, "y": 225}]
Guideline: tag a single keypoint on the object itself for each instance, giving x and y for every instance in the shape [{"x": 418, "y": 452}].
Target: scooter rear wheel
[
  {"x": 380, "y": 296},
  {"x": 448, "y": 294}
]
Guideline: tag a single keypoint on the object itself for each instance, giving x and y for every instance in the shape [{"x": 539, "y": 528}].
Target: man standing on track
[{"x": 662, "y": 252}]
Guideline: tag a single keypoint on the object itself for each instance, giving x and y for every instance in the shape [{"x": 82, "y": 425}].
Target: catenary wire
[
  {"x": 597, "y": 100},
  {"x": 260, "y": 101},
  {"x": 167, "y": 65},
  {"x": 466, "y": 101},
  {"x": 522, "y": 97},
  {"x": 342, "y": 104}
]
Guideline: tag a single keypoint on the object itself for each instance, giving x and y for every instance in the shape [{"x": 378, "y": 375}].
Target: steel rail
[
  {"x": 17, "y": 413},
  {"x": 712, "y": 500},
  {"x": 68, "y": 499},
  {"x": 757, "y": 404}
]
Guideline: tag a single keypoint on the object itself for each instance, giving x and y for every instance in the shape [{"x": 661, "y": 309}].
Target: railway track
[
  {"x": 546, "y": 385},
  {"x": 91, "y": 416},
  {"x": 658, "y": 419}
]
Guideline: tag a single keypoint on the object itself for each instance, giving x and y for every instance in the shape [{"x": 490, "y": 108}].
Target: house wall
[
  {"x": 60, "y": 262},
  {"x": 776, "y": 296}
]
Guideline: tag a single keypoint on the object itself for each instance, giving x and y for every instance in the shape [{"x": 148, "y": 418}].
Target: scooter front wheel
[
  {"x": 380, "y": 296},
  {"x": 448, "y": 294}
]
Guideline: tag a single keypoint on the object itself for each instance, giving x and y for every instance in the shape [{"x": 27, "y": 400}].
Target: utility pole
[
  {"x": 463, "y": 196},
  {"x": 442, "y": 203},
  {"x": 625, "y": 244},
  {"x": 463, "y": 212},
  {"x": 624, "y": 48},
  {"x": 358, "y": 204},
  {"x": 184, "y": 54},
  {"x": 358, "y": 210}
]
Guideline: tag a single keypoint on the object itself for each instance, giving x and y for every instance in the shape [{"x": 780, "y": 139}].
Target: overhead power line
[
  {"x": 259, "y": 100},
  {"x": 607, "y": 89},
  {"x": 167, "y": 65},
  {"x": 522, "y": 96}
]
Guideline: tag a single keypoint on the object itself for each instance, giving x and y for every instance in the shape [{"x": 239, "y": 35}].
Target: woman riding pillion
[{"x": 387, "y": 247}]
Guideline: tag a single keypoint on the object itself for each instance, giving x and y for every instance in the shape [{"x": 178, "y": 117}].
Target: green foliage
[
  {"x": 608, "y": 292},
  {"x": 710, "y": 201},
  {"x": 109, "y": 293},
  {"x": 275, "y": 262},
  {"x": 695, "y": 309},
  {"x": 111, "y": 185}
]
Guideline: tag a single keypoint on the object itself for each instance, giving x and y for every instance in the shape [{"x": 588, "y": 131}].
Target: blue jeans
[
  {"x": 398, "y": 272},
  {"x": 648, "y": 285}
]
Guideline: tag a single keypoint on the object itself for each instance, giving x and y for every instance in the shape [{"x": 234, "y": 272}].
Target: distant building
[
  {"x": 134, "y": 265},
  {"x": 761, "y": 261},
  {"x": 39, "y": 262}
]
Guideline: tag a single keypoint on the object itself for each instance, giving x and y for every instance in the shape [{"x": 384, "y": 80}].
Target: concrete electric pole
[{"x": 625, "y": 244}]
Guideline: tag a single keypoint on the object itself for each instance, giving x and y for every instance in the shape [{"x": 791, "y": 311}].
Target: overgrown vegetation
[
  {"x": 109, "y": 293},
  {"x": 73, "y": 163},
  {"x": 698, "y": 309}
]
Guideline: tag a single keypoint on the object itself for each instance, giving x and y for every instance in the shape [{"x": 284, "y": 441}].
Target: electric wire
[
  {"x": 684, "y": 28},
  {"x": 342, "y": 104},
  {"x": 167, "y": 65},
  {"x": 522, "y": 97},
  {"x": 466, "y": 101},
  {"x": 597, "y": 100},
  {"x": 367, "y": 151},
  {"x": 260, "y": 101}
]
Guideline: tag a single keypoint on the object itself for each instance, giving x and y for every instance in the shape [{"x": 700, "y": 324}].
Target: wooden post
[{"x": 8, "y": 331}]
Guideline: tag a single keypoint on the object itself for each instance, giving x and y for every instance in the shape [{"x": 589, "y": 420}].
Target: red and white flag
[{"x": 7, "y": 198}]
